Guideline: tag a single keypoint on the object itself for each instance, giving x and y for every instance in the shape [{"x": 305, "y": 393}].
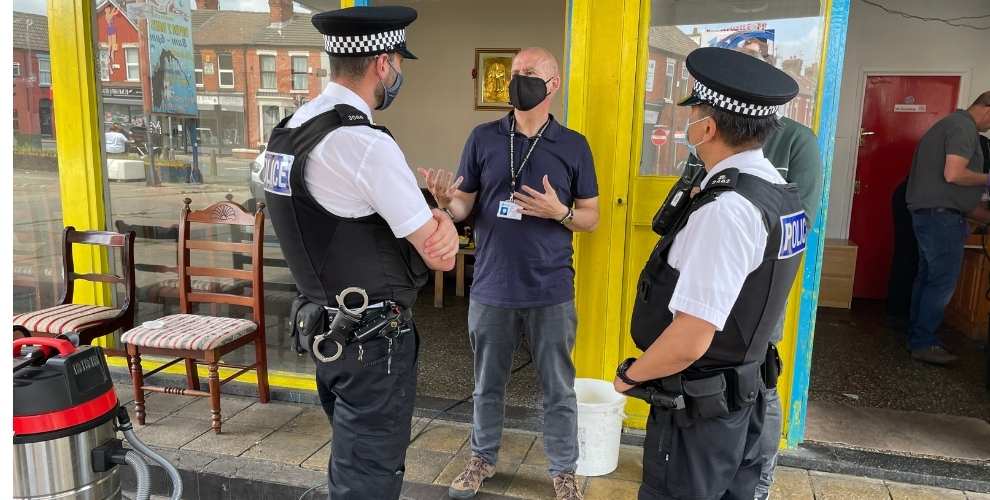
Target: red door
[{"x": 897, "y": 111}]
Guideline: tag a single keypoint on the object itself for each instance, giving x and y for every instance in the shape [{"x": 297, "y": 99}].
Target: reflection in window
[
  {"x": 225, "y": 64},
  {"x": 671, "y": 64},
  {"x": 300, "y": 73},
  {"x": 268, "y": 72},
  {"x": 44, "y": 71},
  {"x": 198, "y": 68},
  {"x": 787, "y": 34},
  {"x": 133, "y": 64},
  {"x": 104, "y": 61}
]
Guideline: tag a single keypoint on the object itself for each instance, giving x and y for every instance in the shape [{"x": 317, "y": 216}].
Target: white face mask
[{"x": 692, "y": 148}]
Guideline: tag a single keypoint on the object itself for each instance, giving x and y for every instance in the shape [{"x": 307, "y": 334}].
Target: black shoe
[{"x": 935, "y": 355}]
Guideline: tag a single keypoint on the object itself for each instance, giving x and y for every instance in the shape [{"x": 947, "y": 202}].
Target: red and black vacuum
[{"x": 66, "y": 418}]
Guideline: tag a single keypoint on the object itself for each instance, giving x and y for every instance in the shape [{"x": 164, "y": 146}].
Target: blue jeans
[
  {"x": 495, "y": 334},
  {"x": 941, "y": 237}
]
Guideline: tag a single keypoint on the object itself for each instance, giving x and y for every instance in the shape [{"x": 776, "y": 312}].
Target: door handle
[
  {"x": 856, "y": 186},
  {"x": 864, "y": 133}
]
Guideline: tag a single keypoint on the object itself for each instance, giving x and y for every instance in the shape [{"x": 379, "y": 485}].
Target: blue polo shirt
[{"x": 528, "y": 262}]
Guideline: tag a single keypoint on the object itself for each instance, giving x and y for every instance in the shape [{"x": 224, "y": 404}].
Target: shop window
[
  {"x": 44, "y": 71},
  {"x": 198, "y": 68},
  {"x": 36, "y": 209},
  {"x": 783, "y": 31},
  {"x": 267, "y": 65},
  {"x": 300, "y": 73},
  {"x": 225, "y": 66},
  {"x": 132, "y": 61}
]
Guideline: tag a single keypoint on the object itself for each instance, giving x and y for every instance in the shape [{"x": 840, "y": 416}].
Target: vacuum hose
[
  {"x": 136, "y": 461},
  {"x": 124, "y": 425}
]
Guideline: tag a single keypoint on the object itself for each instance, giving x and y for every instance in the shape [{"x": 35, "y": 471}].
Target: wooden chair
[
  {"x": 89, "y": 322},
  {"x": 200, "y": 339},
  {"x": 164, "y": 290}
]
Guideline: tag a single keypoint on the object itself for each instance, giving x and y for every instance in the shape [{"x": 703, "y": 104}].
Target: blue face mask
[
  {"x": 390, "y": 91},
  {"x": 692, "y": 148}
]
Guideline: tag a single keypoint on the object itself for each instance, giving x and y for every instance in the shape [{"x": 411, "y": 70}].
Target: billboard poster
[
  {"x": 170, "y": 52},
  {"x": 754, "y": 36}
]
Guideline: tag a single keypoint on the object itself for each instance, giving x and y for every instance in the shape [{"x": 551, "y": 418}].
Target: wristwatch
[
  {"x": 449, "y": 213},
  {"x": 567, "y": 218},
  {"x": 621, "y": 372}
]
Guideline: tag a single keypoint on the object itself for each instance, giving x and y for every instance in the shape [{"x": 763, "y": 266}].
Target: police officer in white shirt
[
  {"x": 352, "y": 221},
  {"x": 714, "y": 289}
]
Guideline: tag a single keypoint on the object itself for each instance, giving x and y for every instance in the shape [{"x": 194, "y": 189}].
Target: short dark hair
[
  {"x": 349, "y": 67},
  {"x": 983, "y": 100},
  {"x": 740, "y": 131}
]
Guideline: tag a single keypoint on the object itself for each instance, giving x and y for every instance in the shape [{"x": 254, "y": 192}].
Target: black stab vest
[
  {"x": 327, "y": 253},
  {"x": 763, "y": 296}
]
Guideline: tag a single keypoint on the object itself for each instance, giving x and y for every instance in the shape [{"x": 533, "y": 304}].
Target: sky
[{"x": 38, "y": 6}]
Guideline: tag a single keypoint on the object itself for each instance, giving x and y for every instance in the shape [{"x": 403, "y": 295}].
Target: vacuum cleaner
[{"x": 66, "y": 419}]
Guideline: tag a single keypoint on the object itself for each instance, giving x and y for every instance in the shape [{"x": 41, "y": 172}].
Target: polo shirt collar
[{"x": 552, "y": 133}]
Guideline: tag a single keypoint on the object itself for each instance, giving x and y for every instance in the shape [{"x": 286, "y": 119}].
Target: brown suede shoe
[
  {"x": 468, "y": 482},
  {"x": 566, "y": 487}
]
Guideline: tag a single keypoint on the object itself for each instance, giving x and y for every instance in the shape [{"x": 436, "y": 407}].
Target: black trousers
[
  {"x": 370, "y": 411},
  {"x": 705, "y": 459}
]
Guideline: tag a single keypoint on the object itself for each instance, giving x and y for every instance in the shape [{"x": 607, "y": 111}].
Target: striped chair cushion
[
  {"x": 65, "y": 318},
  {"x": 190, "y": 332}
]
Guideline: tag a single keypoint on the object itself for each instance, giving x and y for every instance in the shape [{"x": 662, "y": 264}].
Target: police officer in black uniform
[
  {"x": 715, "y": 287},
  {"x": 359, "y": 238}
]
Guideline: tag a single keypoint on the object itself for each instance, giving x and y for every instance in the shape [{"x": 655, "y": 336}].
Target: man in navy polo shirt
[{"x": 526, "y": 211}]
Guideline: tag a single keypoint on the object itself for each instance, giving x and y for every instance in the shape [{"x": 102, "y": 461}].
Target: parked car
[{"x": 257, "y": 183}]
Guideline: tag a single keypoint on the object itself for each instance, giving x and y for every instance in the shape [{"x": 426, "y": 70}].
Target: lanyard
[{"x": 513, "y": 173}]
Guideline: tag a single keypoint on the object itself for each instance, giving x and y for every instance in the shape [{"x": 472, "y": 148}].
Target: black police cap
[
  {"x": 738, "y": 83},
  {"x": 365, "y": 31}
]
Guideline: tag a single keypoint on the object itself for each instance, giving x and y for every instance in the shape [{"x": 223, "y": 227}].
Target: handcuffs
[
  {"x": 343, "y": 322},
  {"x": 347, "y": 320}
]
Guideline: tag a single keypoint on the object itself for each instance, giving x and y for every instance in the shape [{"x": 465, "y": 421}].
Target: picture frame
[{"x": 492, "y": 72}]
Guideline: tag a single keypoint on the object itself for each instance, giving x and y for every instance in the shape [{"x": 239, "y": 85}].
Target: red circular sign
[{"x": 659, "y": 137}]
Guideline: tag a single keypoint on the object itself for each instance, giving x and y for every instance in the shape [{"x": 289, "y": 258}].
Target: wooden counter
[{"x": 969, "y": 307}]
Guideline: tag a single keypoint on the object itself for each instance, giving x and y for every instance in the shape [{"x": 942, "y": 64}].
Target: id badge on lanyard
[{"x": 508, "y": 209}]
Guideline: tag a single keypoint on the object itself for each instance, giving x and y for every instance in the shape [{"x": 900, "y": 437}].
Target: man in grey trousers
[{"x": 530, "y": 183}]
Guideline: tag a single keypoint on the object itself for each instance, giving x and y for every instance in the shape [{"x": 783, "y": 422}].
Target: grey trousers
[
  {"x": 495, "y": 333},
  {"x": 769, "y": 444}
]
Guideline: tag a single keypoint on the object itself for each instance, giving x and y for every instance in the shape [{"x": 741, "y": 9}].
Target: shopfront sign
[
  {"x": 122, "y": 92},
  {"x": 226, "y": 102}
]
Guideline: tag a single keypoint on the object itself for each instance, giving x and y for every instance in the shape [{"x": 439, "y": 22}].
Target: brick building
[
  {"x": 667, "y": 82},
  {"x": 33, "y": 121},
  {"x": 253, "y": 69},
  {"x": 120, "y": 67}
]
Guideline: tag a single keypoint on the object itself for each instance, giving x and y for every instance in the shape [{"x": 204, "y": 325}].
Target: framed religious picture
[{"x": 492, "y": 72}]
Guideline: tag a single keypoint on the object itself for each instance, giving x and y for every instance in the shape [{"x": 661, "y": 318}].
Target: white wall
[
  {"x": 878, "y": 41},
  {"x": 434, "y": 112}
]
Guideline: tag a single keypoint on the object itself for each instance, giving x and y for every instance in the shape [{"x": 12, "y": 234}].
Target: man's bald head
[{"x": 535, "y": 61}]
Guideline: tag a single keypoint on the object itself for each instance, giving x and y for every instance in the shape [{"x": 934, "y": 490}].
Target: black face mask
[{"x": 527, "y": 92}]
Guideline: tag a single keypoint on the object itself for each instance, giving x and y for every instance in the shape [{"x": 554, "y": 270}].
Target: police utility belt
[
  {"x": 702, "y": 393},
  {"x": 320, "y": 329}
]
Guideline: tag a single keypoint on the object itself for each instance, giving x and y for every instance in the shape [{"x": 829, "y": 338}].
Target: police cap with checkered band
[
  {"x": 738, "y": 83},
  {"x": 365, "y": 31}
]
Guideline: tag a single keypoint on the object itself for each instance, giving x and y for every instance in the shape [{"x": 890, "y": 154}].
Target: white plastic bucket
[{"x": 600, "y": 414}]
